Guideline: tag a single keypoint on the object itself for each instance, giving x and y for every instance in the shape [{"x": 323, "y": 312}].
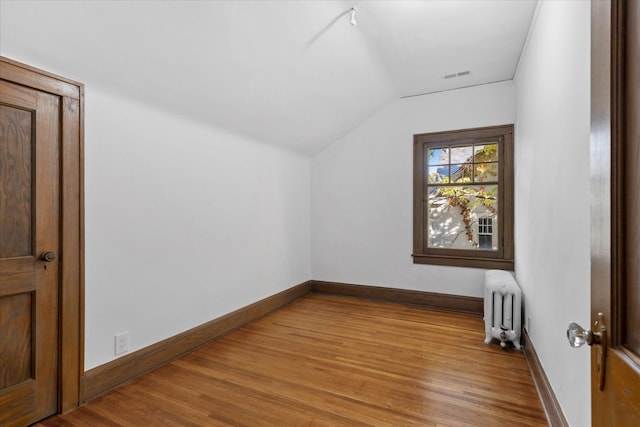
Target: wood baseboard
[
  {"x": 111, "y": 375},
  {"x": 404, "y": 296},
  {"x": 548, "y": 398}
]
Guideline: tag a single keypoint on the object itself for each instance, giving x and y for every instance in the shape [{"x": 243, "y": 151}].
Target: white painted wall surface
[
  {"x": 553, "y": 195},
  {"x": 362, "y": 192},
  {"x": 184, "y": 223}
]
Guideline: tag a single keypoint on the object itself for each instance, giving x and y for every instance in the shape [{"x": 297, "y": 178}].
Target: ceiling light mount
[{"x": 352, "y": 20}]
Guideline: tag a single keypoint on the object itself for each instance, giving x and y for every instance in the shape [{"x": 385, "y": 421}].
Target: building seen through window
[{"x": 463, "y": 194}]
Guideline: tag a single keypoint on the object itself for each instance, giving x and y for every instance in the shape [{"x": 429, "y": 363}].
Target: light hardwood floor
[{"x": 332, "y": 361}]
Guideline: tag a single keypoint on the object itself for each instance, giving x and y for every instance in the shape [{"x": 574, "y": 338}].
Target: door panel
[
  {"x": 615, "y": 286},
  {"x": 16, "y": 338},
  {"x": 29, "y": 226},
  {"x": 15, "y": 176}
]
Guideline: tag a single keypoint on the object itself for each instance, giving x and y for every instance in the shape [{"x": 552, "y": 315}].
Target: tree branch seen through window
[{"x": 463, "y": 197}]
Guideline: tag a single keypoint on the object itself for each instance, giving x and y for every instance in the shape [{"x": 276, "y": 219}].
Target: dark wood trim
[
  {"x": 404, "y": 296},
  {"x": 36, "y": 78},
  {"x": 71, "y": 339},
  {"x": 486, "y": 263},
  {"x": 615, "y": 72},
  {"x": 621, "y": 175},
  {"x": 550, "y": 403},
  {"x": 109, "y": 376},
  {"x": 503, "y": 258},
  {"x": 72, "y": 273}
]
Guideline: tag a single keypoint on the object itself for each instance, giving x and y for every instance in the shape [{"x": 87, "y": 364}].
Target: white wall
[
  {"x": 184, "y": 223},
  {"x": 553, "y": 195},
  {"x": 362, "y": 192}
]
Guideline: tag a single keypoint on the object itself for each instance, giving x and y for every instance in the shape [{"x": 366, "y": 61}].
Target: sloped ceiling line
[{"x": 292, "y": 74}]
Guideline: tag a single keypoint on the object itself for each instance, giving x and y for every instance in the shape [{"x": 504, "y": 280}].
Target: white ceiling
[{"x": 294, "y": 74}]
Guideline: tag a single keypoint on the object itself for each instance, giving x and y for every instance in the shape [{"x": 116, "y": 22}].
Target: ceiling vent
[{"x": 454, "y": 75}]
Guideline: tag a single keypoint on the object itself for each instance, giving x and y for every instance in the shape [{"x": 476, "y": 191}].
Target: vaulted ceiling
[{"x": 295, "y": 74}]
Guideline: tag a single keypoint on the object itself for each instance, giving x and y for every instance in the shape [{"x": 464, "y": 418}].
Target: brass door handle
[
  {"x": 48, "y": 256},
  {"x": 578, "y": 336}
]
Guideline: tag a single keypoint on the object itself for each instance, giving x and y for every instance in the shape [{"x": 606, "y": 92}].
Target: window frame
[{"x": 503, "y": 257}]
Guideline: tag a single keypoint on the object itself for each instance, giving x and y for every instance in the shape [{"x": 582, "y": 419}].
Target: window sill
[{"x": 475, "y": 262}]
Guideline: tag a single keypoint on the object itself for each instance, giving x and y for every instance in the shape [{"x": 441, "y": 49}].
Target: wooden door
[
  {"x": 616, "y": 211},
  {"x": 29, "y": 227}
]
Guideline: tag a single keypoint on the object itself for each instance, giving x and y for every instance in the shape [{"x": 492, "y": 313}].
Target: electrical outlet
[
  {"x": 529, "y": 324},
  {"x": 122, "y": 343}
]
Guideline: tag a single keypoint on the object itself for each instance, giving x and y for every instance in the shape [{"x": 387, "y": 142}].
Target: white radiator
[{"x": 502, "y": 308}]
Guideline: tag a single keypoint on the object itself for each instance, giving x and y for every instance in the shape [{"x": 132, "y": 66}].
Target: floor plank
[{"x": 332, "y": 361}]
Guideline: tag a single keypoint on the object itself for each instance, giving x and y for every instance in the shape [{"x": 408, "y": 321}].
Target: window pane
[
  {"x": 462, "y": 154},
  {"x": 438, "y": 156},
  {"x": 485, "y": 242},
  {"x": 485, "y": 172},
  {"x": 486, "y": 153},
  {"x": 438, "y": 175},
  {"x": 453, "y": 214},
  {"x": 462, "y": 173}
]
